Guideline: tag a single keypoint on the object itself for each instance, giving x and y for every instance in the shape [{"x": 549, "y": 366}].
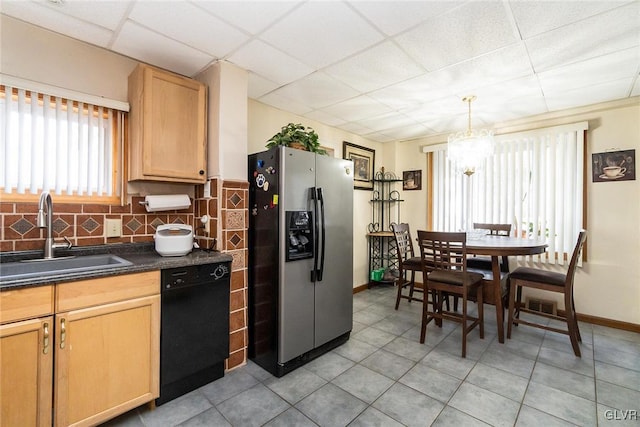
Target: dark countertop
[{"x": 142, "y": 256}]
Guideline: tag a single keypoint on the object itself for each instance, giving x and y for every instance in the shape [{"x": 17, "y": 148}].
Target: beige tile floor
[{"x": 384, "y": 377}]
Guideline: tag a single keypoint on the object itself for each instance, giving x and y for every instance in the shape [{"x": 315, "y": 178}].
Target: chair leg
[
  {"x": 400, "y": 283},
  {"x": 425, "y": 310},
  {"x": 512, "y": 303},
  {"x": 480, "y": 311},
  {"x": 438, "y": 295},
  {"x": 573, "y": 307},
  {"x": 412, "y": 285},
  {"x": 464, "y": 328},
  {"x": 518, "y": 302},
  {"x": 572, "y": 325}
]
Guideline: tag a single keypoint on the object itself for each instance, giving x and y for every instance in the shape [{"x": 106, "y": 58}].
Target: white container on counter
[{"x": 174, "y": 239}]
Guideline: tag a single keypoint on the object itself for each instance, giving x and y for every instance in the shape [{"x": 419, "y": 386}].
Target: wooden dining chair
[
  {"x": 526, "y": 277},
  {"x": 443, "y": 256},
  {"x": 484, "y": 262},
  {"x": 407, "y": 262}
]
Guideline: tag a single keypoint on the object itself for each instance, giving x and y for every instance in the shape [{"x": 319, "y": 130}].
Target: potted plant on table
[{"x": 295, "y": 135}]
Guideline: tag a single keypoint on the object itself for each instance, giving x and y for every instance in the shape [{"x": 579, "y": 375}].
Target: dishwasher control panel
[{"x": 173, "y": 278}]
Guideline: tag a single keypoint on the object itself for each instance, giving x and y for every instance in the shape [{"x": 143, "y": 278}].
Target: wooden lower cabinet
[
  {"x": 26, "y": 372},
  {"x": 83, "y": 356},
  {"x": 107, "y": 360}
]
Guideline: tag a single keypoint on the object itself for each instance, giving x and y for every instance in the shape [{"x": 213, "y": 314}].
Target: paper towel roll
[{"x": 167, "y": 202}]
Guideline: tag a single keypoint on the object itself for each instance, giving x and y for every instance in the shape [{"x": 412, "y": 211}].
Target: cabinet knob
[{"x": 201, "y": 172}]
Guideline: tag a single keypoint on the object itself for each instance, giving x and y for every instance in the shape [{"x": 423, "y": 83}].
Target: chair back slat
[
  {"x": 402, "y": 235},
  {"x": 443, "y": 250}
]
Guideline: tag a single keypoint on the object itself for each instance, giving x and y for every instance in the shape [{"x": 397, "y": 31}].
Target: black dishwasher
[{"x": 194, "y": 334}]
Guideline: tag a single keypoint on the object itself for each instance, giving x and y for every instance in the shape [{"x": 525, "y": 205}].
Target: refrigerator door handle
[
  {"x": 316, "y": 221},
  {"x": 324, "y": 235}
]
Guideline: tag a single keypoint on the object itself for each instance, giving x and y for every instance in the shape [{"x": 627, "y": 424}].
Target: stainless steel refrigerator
[{"x": 300, "y": 260}]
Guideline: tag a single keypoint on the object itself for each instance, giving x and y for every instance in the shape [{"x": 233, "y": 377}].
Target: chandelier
[{"x": 468, "y": 150}]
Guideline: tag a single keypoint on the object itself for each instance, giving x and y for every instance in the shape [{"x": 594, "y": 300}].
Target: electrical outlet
[
  {"x": 113, "y": 227},
  {"x": 207, "y": 227}
]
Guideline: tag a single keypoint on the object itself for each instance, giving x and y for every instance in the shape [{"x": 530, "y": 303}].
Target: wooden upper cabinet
[{"x": 167, "y": 127}]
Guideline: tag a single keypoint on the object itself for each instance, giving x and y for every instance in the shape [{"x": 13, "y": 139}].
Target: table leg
[{"x": 497, "y": 296}]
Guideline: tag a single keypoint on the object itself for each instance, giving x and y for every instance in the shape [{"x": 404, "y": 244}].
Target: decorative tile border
[
  {"x": 233, "y": 232},
  {"x": 82, "y": 224}
]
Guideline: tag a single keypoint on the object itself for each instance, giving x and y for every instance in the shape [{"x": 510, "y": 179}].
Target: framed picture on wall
[
  {"x": 412, "y": 180},
  {"x": 330, "y": 151},
  {"x": 614, "y": 166},
  {"x": 364, "y": 160}
]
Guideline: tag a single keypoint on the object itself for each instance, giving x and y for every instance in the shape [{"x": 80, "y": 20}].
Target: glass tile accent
[
  {"x": 59, "y": 225},
  {"x": 235, "y": 239},
  {"x": 157, "y": 222},
  {"x": 133, "y": 225},
  {"x": 235, "y": 199},
  {"x": 22, "y": 226},
  {"x": 90, "y": 225}
]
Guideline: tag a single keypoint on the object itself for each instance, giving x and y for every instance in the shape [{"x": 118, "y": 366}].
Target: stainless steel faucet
[{"x": 47, "y": 223}]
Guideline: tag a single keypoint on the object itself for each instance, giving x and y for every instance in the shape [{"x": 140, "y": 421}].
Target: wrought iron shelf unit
[{"x": 385, "y": 209}]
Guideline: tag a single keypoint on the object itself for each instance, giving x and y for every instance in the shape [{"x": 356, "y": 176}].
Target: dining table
[{"x": 497, "y": 247}]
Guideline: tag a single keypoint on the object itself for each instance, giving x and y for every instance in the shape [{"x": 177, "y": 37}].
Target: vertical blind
[
  {"x": 58, "y": 145},
  {"x": 534, "y": 181}
]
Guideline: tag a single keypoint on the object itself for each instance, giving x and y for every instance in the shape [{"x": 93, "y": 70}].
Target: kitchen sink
[{"x": 63, "y": 265}]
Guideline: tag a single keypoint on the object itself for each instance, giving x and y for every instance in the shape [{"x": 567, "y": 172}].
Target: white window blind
[
  {"x": 534, "y": 181},
  {"x": 56, "y": 144}
]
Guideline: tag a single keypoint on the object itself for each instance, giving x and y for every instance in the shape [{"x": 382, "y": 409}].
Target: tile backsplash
[{"x": 83, "y": 225}]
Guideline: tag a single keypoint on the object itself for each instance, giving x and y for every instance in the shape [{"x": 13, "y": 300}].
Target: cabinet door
[
  {"x": 174, "y": 127},
  {"x": 26, "y": 375},
  {"x": 107, "y": 360}
]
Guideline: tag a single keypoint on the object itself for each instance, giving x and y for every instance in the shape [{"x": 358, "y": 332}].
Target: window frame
[{"x": 117, "y": 146}]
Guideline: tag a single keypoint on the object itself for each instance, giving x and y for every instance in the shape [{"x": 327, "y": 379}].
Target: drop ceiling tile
[
  {"x": 284, "y": 103},
  {"x": 393, "y": 17},
  {"x": 259, "y": 86},
  {"x": 386, "y": 121},
  {"x": 317, "y": 90},
  {"x": 615, "y": 66},
  {"x": 323, "y": 117},
  {"x": 358, "y": 108},
  {"x": 56, "y": 21},
  {"x": 411, "y": 93},
  {"x": 536, "y": 17},
  {"x": 375, "y": 68},
  {"x": 148, "y": 46},
  {"x": 379, "y": 137},
  {"x": 106, "y": 13},
  {"x": 609, "y": 91},
  {"x": 250, "y": 16},
  {"x": 408, "y": 132},
  {"x": 609, "y": 32},
  {"x": 269, "y": 62},
  {"x": 322, "y": 33},
  {"x": 446, "y": 125},
  {"x": 469, "y": 31},
  {"x": 355, "y": 128},
  {"x": 501, "y": 65},
  {"x": 515, "y": 90},
  {"x": 190, "y": 25},
  {"x": 448, "y": 114}
]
